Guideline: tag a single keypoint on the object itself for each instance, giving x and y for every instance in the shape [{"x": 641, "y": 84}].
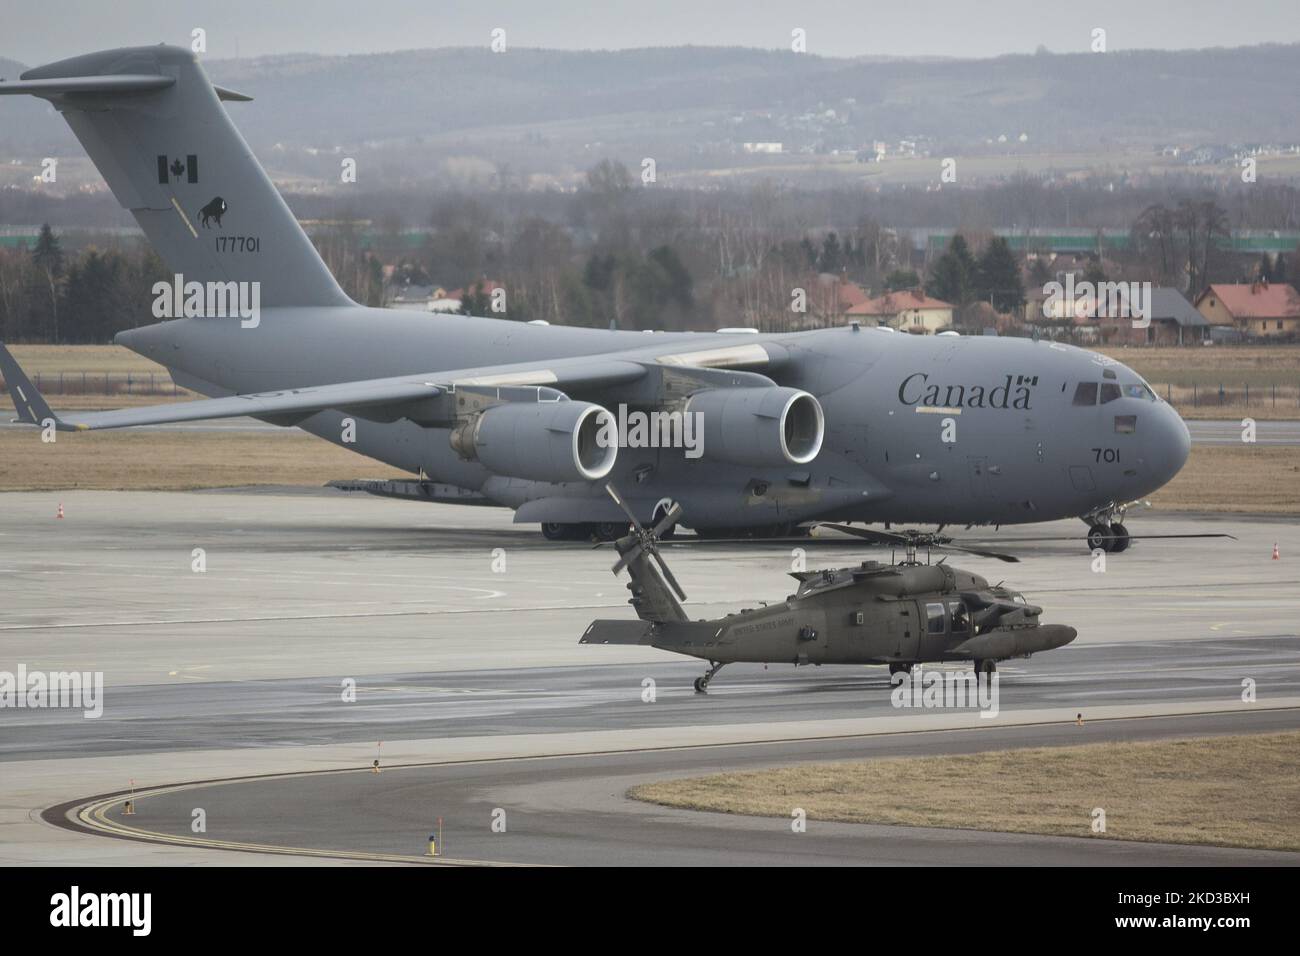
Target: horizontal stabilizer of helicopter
[
  {"x": 617, "y": 632},
  {"x": 1014, "y": 642}
]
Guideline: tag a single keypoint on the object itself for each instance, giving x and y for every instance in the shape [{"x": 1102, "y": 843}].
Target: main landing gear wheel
[
  {"x": 702, "y": 683},
  {"x": 1120, "y": 539},
  {"x": 985, "y": 667},
  {"x": 1099, "y": 537},
  {"x": 899, "y": 669},
  {"x": 608, "y": 530},
  {"x": 554, "y": 531}
]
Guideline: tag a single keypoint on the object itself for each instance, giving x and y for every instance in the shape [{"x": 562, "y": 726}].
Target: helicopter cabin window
[
  {"x": 934, "y": 621},
  {"x": 960, "y": 619},
  {"x": 1109, "y": 392},
  {"x": 1085, "y": 393}
]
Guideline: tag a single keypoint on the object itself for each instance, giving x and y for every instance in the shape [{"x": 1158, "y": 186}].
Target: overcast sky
[{"x": 35, "y": 32}]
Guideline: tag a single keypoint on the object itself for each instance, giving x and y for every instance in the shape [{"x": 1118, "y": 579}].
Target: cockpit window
[
  {"x": 1109, "y": 392},
  {"x": 960, "y": 619},
  {"x": 1085, "y": 393},
  {"x": 1141, "y": 391}
]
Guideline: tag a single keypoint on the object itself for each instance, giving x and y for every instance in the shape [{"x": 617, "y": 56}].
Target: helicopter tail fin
[{"x": 652, "y": 599}]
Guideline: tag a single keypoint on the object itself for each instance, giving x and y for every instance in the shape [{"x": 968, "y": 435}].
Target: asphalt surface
[
  {"x": 574, "y": 810},
  {"x": 239, "y": 669},
  {"x": 153, "y": 718}
]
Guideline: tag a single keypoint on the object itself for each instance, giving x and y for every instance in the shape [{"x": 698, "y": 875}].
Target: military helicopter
[{"x": 900, "y": 614}]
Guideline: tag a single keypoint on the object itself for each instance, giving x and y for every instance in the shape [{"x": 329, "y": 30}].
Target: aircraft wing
[
  {"x": 382, "y": 394},
  {"x": 722, "y": 365}
]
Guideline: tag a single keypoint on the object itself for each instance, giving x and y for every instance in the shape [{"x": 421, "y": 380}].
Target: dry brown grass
[
  {"x": 1226, "y": 791},
  {"x": 175, "y": 461},
  {"x": 1244, "y": 479},
  {"x": 1189, "y": 378}
]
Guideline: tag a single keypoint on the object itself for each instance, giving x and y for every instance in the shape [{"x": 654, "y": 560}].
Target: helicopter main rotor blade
[
  {"x": 868, "y": 534},
  {"x": 982, "y": 552},
  {"x": 1132, "y": 537}
]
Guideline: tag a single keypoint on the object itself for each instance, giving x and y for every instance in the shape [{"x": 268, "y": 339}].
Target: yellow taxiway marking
[{"x": 93, "y": 816}]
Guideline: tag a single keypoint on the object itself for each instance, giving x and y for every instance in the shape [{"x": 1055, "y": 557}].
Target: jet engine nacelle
[
  {"x": 759, "y": 426},
  {"x": 540, "y": 441}
]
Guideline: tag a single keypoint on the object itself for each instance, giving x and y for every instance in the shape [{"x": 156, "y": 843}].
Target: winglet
[{"x": 30, "y": 403}]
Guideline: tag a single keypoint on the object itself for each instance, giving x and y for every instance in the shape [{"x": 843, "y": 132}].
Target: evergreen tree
[
  {"x": 832, "y": 256},
  {"x": 953, "y": 274},
  {"x": 997, "y": 276},
  {"x": 48, "y": 258}
]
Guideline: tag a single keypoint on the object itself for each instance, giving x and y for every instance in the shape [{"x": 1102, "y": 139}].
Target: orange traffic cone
[
  {"x": 60, "y": 514},
  {"x": 1276, "y": 555}
]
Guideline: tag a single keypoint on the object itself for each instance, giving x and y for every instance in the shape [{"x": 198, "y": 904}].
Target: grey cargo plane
[{"x": 847, "y": 424}]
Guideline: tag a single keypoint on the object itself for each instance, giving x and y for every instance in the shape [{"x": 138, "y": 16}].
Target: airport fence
[{"x": 1246, "y": 395}]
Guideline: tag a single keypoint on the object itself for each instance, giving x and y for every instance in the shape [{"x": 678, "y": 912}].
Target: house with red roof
[
  {"x": 908, "y": 310},
  {"x": 1258, "y": 309}
]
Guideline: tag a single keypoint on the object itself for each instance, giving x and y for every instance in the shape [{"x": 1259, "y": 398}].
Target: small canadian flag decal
[{"x": 172, "y": 168}]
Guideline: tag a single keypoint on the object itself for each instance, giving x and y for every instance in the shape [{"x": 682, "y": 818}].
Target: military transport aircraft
[
  {"x": 897, "y": 614},
  {"x": 849, "y": 424}
]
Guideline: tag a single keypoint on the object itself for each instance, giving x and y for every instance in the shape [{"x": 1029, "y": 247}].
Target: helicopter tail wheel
[
  {"x": 1120, "y": 539},
  {"x": 702, "y": 683},
  {"x": 1101, "y": 536}
]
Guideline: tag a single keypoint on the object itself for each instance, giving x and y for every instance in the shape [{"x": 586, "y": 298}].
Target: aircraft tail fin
[{"x": 155, "y": 128}]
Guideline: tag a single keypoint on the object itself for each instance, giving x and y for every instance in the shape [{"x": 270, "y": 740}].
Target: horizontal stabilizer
[
  {"x": 102, "y": 85},
  {"x": 618, "y": 632}
]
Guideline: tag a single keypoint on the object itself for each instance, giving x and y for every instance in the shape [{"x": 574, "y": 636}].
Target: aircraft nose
[{"x": 1171, "y": 444}]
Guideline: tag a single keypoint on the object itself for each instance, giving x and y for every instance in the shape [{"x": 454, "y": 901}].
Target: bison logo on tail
[{"x": 213, "y": 210}]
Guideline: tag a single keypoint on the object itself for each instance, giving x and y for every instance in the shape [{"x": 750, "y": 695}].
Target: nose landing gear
[{"x": 1113, "y": 538}]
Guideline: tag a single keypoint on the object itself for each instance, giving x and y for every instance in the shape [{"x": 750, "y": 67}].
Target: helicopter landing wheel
[
  {"x": 1100, "y": 536},
  {"x": 899, "y": 669},
  {"x": 985, "y": 667},
  {"x": 1121, "y": 539},
  {"x": 702, "y": 683}
]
